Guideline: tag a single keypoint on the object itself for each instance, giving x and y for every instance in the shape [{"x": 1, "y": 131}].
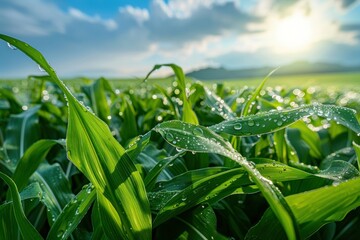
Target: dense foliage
[{"x": 184, "y": 162}]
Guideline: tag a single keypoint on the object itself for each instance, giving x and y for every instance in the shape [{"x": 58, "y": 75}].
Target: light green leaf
[
  {"x": 247, "y": 109},
  {"x": 189, "y": 115},
  {"x": 275, "y": 120},
  {"x": 97, "y": 94}
]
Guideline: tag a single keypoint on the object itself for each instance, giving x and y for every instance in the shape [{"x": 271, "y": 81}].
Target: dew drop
[
  {"x": 169, "y": 137},
  {"x": 279, "y": 123},
  {"x": 252, "y": 164},
  {"x": 251, "y": 123},
  {"x": 11, "y": 46},
  {"x": 198, "y": 131},
  {"x": 41, "y": 69},
  {"x": 88, "y": 190},
  {"x": 237, "y": 126},
  {"x": 60, "y": 233}
]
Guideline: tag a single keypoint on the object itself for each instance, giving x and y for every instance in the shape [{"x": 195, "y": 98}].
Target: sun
[{"x": 292, "y": 34}]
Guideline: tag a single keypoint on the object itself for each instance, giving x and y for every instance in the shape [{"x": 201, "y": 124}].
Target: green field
[
  {"x": 334, "y": 81},
  {"x": 179, "y": 159},
  {"x": 326, "y": 80}
]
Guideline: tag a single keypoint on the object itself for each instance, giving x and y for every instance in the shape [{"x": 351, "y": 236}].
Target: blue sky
[{"x": 126, "y": 38}]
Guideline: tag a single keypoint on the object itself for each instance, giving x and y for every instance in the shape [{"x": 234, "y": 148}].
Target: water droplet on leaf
[
  {"x": 198, "y": 131},
  {"x": 169, "y": 137},
  {"x": 11, "y": 46},
  {"x": 237, "y": 126},
  {"x": 60, "y": 233},
  {"x": 41, "y": 69},
  {"x": 251, "y": 123}
]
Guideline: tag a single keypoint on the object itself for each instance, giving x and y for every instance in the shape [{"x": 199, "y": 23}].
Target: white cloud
[
  {"x": 139, "y": 14},
  {"x": 190, "y": 33},
  {"x": 182, "y": 9},
  {"x": 110, "y": 24},
  {"x": 37, "y": 18}
]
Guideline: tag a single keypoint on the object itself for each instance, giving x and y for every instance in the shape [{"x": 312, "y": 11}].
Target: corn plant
[{"x": 189, "y": 162}]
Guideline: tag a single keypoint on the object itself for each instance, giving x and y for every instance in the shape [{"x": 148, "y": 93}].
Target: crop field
[{"x": 178, "y": 159}]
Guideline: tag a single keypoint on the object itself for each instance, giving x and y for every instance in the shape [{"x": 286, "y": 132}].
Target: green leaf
[
  {"x": 201, "y": 139},
  {"x": 27, "y": 230},
  {"x": 339, "y": 171},
  {"x": 275, "y": 120},
  {"x": 21, "y": 132},
  {"x": 346, "y": 154},
  {"x": 312, "y": 209},
  {"x": 247, "y": 109},
  {"x": 9, "y": 228},
  {"x": 97, "y": 94},
  {"x": 232, "y": 218},
  {"x": 208, "y": 189},
  {"x": 129, "y": 128},
  {"x": 218, "y": 105},
  {"x": 280, "y": 172},
  {"x": 357, "y": 151},
  {"x": 15, "y": 106},
  {"x": 199, "y": 223},
  {"x": 187, "y": 178},
  {"x": 72, "y": 214},
  {"x": 311, "y": 138},
  {"x": 94, "y": 151},
  {"x": 56, "y": 190},
  {"x": 151, "y": 177},
  {"x": 31, "y": 160},
  {"x": 280, "y": 146},
  {"x": 170, "y": 101},
  {"x": 189, "y": 115}
]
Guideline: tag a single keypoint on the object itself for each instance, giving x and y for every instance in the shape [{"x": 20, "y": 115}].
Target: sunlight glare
[{"x": 294, "y": 33}]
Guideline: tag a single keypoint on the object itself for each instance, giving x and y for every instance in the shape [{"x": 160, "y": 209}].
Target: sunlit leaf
[
  {"x": 188, "y": 114},
  {"x": 275, "y": 120}
]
